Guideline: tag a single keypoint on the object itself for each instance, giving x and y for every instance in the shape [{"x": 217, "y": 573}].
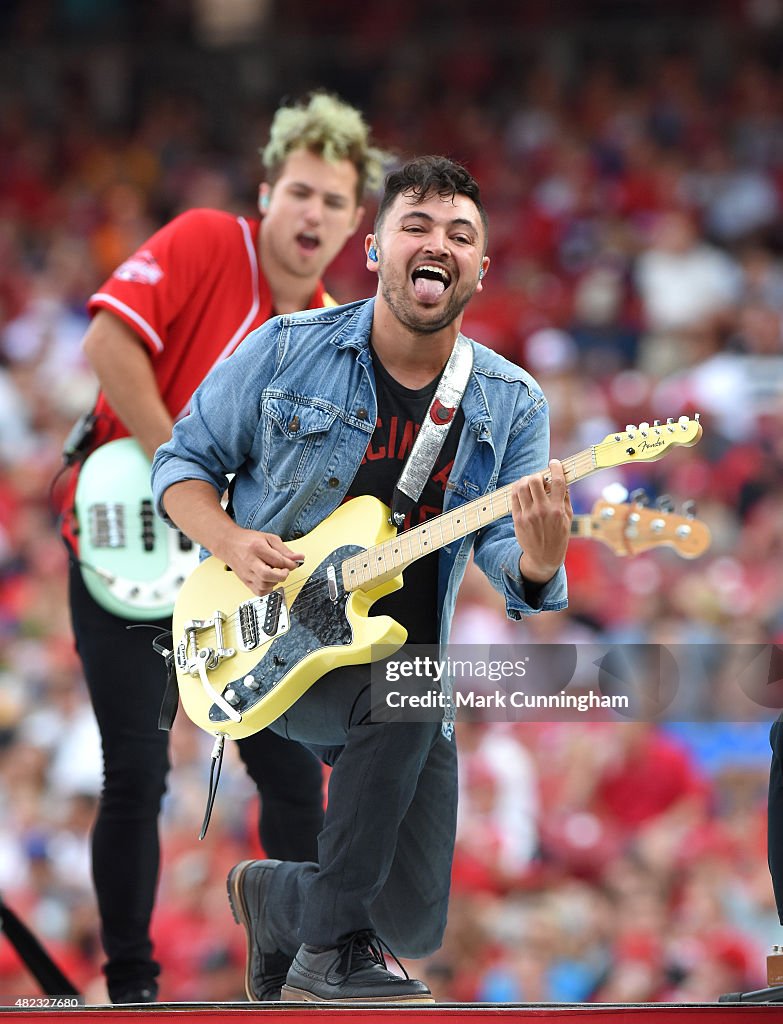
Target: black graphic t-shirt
[{"x": 400, "y": 414}]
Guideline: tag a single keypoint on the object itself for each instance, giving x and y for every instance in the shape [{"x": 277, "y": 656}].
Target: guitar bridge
[{"x": 257, "y": 621}]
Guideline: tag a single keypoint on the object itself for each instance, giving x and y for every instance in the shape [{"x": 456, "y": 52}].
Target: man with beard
[{"x": 313, "y": 409}]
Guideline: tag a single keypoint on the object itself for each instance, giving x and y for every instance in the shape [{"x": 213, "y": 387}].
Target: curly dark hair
[{"x": 431, "y": 175}]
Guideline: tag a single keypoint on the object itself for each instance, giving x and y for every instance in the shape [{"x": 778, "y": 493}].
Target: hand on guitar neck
[{"x": 542, "y": 514}]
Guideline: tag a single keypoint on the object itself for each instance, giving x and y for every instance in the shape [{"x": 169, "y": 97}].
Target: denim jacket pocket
[{"x": 294, "y": 433}]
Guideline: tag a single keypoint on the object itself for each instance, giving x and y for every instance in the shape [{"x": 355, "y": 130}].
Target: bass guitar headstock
[{"x": 631, "y": 527}]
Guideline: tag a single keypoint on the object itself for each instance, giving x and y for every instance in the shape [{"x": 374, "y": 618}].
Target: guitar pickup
[
  {"x": 107, "y": 525},
  {"x": 261, "y": 618},
  {"x": 274, "y": 603},
  {"x": 147, "y": 515}
]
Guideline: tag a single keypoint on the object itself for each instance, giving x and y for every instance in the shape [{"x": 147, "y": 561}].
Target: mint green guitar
[{"x": 132, "y": 563}]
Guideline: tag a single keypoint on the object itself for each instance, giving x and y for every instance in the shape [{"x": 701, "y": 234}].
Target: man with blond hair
[{"x": 170, "y": 313}]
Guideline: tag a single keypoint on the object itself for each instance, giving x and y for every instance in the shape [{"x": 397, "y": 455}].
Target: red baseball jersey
[{"x": 192, "y": 292}]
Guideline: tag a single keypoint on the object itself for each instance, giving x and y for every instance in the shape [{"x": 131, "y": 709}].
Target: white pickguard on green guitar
[{"x": 132, "y": 563}]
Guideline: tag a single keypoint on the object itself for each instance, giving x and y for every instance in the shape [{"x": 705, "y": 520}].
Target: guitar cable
[
  {"x": 46, "y": 972},
  {"x": 214, "y": 779},
  {"x": 75, "y": 447}
]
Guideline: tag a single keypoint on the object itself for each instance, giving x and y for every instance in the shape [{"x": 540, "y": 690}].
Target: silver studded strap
[{"x": 433, "y": 431}]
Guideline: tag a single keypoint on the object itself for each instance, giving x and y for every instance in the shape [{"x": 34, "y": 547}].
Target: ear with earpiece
[
  {"x": 372, "y": 253},
  {"x": 481, "y": 274},
  {"x": 263, "y": 202}
]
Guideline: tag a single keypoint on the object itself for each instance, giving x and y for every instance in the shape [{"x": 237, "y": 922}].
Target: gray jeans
[{"x": 385, "y": 852}]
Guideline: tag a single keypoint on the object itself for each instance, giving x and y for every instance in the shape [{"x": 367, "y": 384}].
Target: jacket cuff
[
  {"x": 175, "y": 471},
  {"x": 526, "y": 598}
]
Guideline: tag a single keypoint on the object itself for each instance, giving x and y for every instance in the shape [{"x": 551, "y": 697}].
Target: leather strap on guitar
[
  {"x": 433, "y": 431},
  {"x": 170, "y": 702}
]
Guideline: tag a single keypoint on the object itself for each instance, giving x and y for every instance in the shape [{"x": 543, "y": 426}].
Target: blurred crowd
[{"x": 635, "y": 199}]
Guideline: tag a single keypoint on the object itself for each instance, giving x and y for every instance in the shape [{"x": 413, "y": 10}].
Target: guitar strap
[
  {"x": 434, "y": 429},
  {"x": 170, "y": 703}
]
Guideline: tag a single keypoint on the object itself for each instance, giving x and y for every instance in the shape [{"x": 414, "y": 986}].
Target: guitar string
[
  {"x": 317, "y": 577},
  {"x": 574, "y": 464},
  {"x": 569, "y": 464}
]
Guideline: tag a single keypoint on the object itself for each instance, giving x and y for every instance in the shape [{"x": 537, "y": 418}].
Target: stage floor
[{"x": 448, "y": 1013}]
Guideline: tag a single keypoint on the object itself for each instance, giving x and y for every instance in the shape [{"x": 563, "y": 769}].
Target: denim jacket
[{"x": 292, "y": 411}]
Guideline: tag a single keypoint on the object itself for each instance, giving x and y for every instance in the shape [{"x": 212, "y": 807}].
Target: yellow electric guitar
[
  {"x": 242, "y": 660},
  {"x": 630, "y": 528}
]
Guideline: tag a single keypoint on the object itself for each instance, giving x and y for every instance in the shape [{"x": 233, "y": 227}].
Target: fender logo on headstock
[{"x": 644, "y": 445}]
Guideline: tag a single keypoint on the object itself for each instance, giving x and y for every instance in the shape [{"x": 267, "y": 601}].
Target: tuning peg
[
  {"x": 629, "y": 428},
  {"x": 689, "y": 509},
  {"x": 640, "y": 496},
  {"x": 656, "y": 423},
  {"x": 615, "y": 493},
  {"x": 665, "y": 503},
  {"x": 644, "y": 426}
]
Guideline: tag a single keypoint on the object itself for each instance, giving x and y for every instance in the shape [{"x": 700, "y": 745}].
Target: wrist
[
  {"x": 226, "y": 541},
  {"x": 536, "y": 573}
]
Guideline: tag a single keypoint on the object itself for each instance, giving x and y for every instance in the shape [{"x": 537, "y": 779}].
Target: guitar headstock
[
  {"x": 646, "y": 443},
  {"x": 631, "y": 528}
]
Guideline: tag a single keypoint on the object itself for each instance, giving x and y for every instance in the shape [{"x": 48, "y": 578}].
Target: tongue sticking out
[{"x": 428, "y": 289}]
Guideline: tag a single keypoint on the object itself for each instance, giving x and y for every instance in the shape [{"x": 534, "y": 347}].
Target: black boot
[
  {"x": 354, "y": 972},
  {"x": 146, "y": 992},
  {"x": 266, "y": 966}
]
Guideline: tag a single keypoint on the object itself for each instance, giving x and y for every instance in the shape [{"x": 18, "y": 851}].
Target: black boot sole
[
  {"x": 298, "y": 995},
  {"x": 236, "y": 901}
]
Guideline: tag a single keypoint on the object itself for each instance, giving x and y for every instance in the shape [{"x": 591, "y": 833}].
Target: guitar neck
[{"x": 384, "y": 561}]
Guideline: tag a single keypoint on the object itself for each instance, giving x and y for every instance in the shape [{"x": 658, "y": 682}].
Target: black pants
[
  {"x": 775, "y": 814},
  {"x": 385, "y": 852},
  {"x": 126, "y": 679}
]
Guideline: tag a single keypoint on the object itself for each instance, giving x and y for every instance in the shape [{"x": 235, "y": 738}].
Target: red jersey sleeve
[{"x": 151, "y": 287}]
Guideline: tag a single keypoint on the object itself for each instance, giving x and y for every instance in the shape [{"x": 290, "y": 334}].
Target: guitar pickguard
[
  {"x": 132, "y": 563},
  {"x": 316, "y": 620}
]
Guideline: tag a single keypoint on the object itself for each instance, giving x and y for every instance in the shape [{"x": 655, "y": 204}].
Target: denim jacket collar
[
  {"x": 356, "y": 334},
  {"x": 357, "y": 329}
]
